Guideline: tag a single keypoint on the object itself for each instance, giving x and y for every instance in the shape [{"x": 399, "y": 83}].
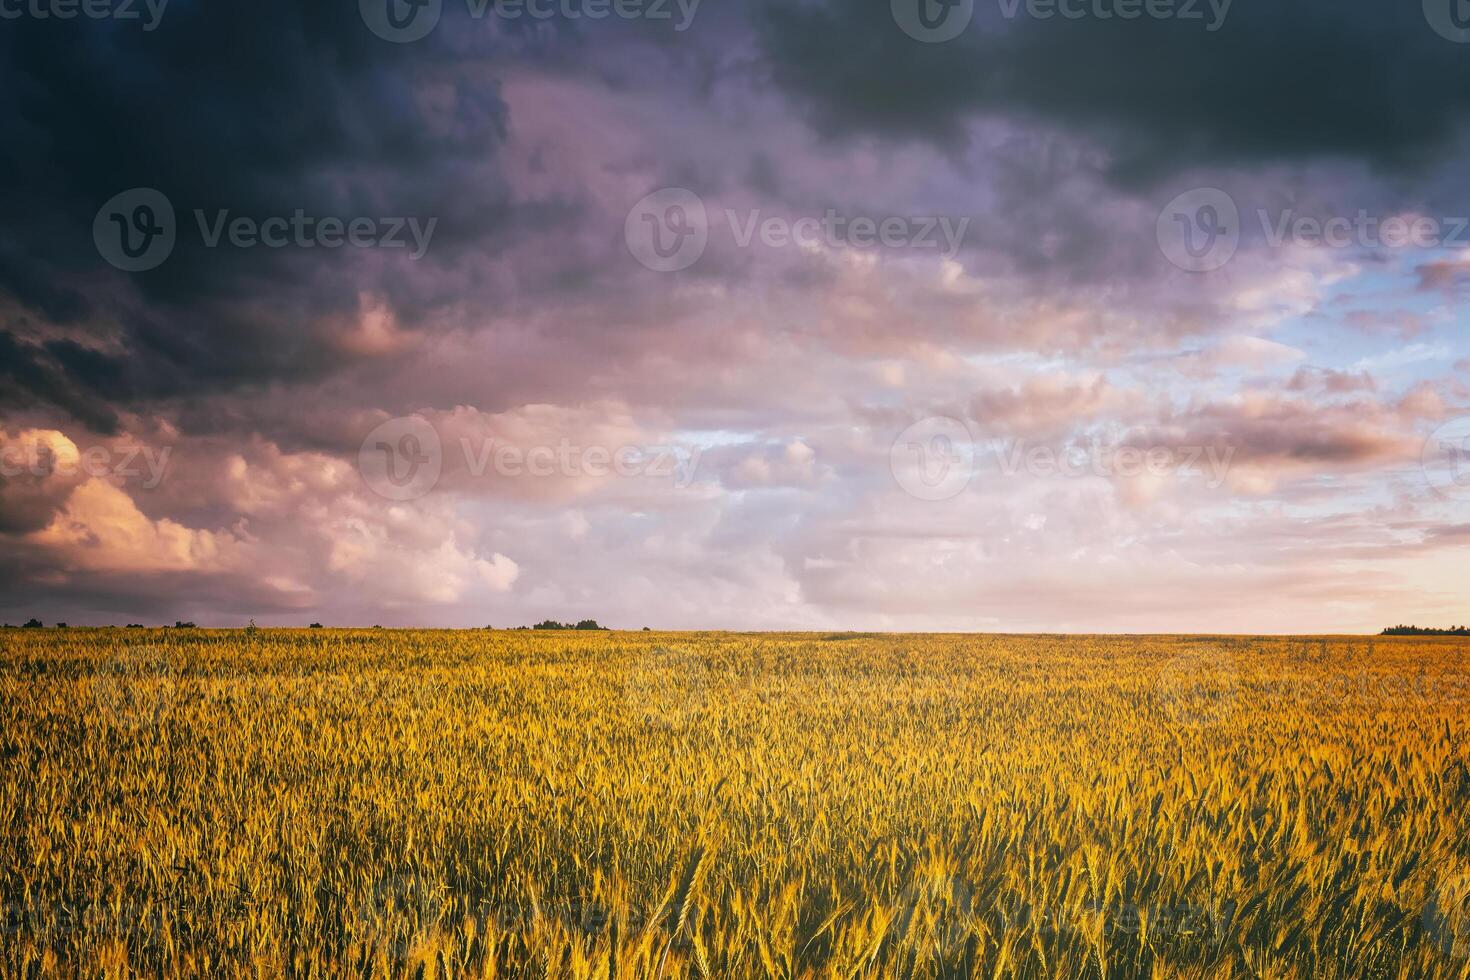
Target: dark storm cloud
[
  {"x": 1278, "y": 80},
  {"x": 29, "y": 375},
  {"x": 261, "y": 109},
  {"x": 265, "y": 109},
  {"x": 116, "y": 599}
]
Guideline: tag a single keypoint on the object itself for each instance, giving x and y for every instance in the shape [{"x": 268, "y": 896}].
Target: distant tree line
[
  {"x": 550, "y": 624},
  {"x": 36, "y": 624},
  {"x": 1425, "y": 631}
]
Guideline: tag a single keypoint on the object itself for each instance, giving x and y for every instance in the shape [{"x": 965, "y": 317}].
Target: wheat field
[{"x": 388, "y": 803}]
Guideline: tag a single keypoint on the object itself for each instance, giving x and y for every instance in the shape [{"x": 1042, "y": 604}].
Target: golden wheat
[{"x": 464, "y": 804}]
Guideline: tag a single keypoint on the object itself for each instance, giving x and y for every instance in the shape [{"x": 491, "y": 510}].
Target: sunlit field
[{"x": 587, "y": 804}]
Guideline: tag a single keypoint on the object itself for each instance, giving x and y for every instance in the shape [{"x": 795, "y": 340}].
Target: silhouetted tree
[{"x": 1402, "y": 630}]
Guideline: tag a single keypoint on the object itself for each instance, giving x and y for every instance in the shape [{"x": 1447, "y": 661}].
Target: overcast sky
[{"x": 847, "y": 314}]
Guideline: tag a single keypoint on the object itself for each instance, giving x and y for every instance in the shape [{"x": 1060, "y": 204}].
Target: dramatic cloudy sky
[{"x": 1035, "y": 405}]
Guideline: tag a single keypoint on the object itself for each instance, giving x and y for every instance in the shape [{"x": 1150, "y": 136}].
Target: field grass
[{"x": 382, "y": 803}]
